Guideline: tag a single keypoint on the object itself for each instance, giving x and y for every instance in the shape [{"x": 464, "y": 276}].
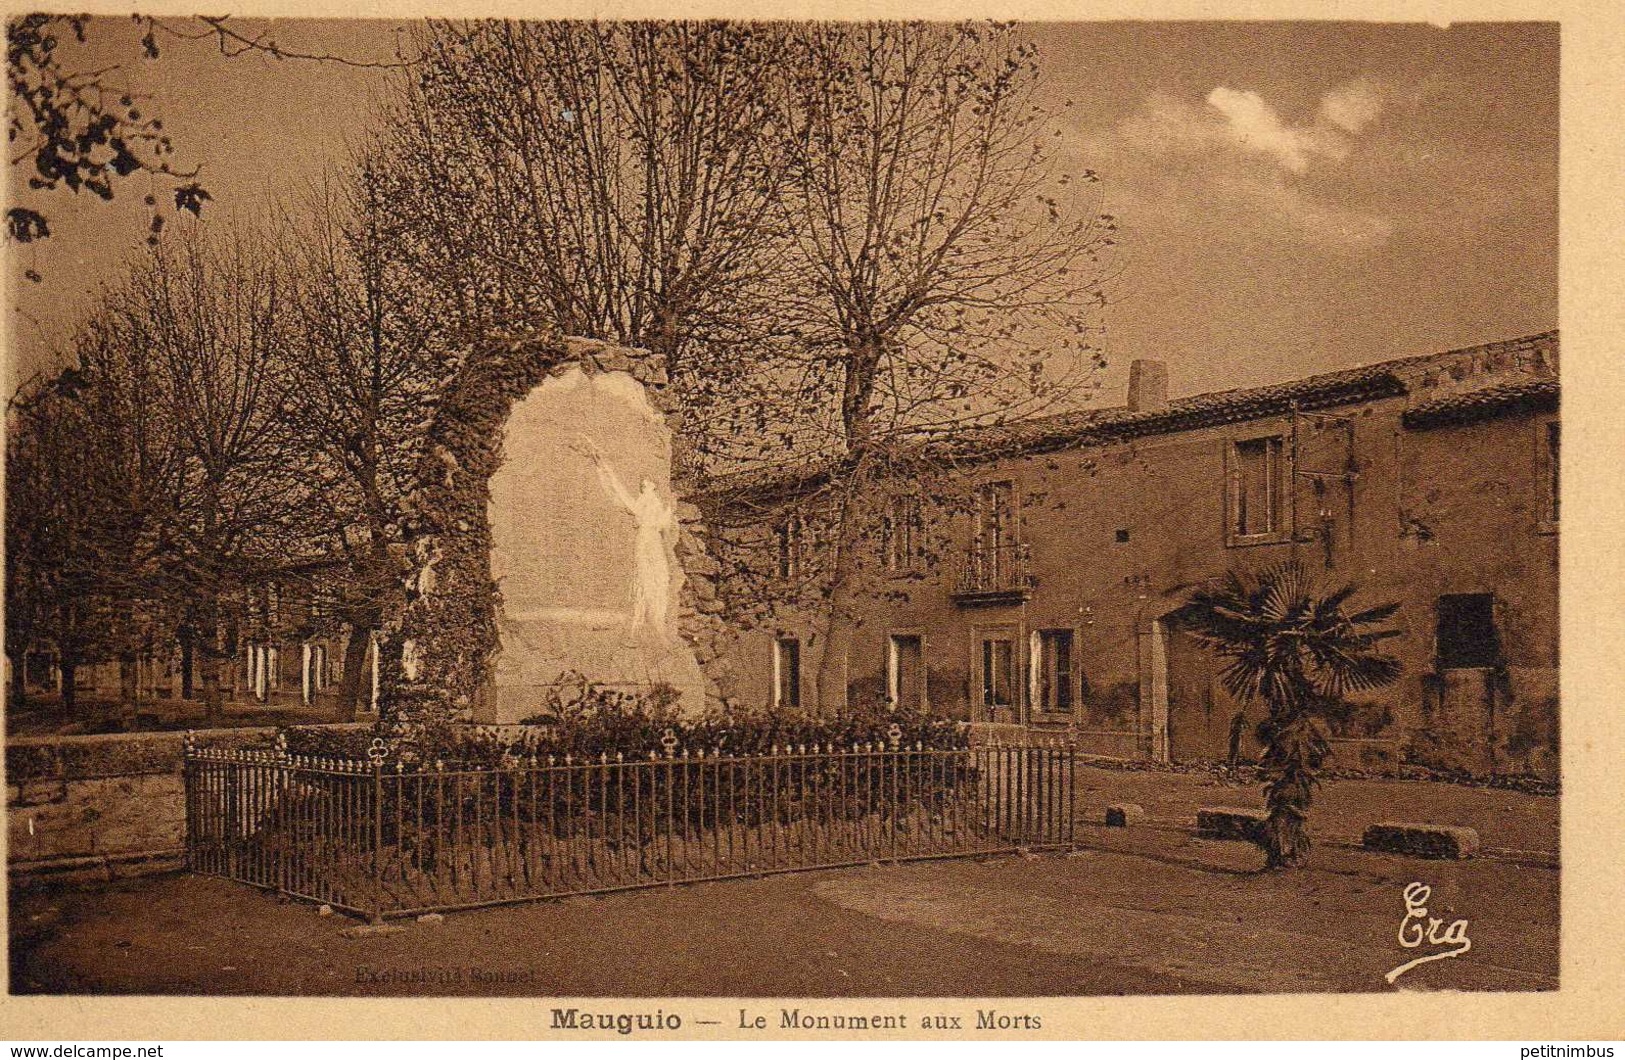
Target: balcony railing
[{"x": 992, "y": 574}]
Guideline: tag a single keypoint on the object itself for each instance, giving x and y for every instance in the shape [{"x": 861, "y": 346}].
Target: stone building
[{"x": 1431, "y": 481}]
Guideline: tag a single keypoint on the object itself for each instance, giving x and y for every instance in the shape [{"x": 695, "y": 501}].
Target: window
[
  {"x": 1467, "y": 637},
  {"x": 1553, "y": 468},
  {"x": 1053, "y": 676},
  {"x": 1257, "y": 491},
  {"x": 993, "y": 547},
  {"x": 787, "y": 673},
  {"x": 901, "y": 532},
  {"x": 995, "y": 515},
  {"x": 905, "y": 676},
  {"x": 790, "y": 538},
  {"x": 998, "y": 672}
]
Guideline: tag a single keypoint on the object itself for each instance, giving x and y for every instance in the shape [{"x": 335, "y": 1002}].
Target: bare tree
[
  {"x": 945, "y": 275},
  {"x": 55, "y": 590},
  {"x": 619, "y": 181},
  {"x": 365, "y": 357},
  {"x": 211, "y": 314},
  {"x": 134, "y": 465}
]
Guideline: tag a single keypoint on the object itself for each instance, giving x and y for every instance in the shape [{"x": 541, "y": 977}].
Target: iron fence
[{"x": 378, "y": 839}]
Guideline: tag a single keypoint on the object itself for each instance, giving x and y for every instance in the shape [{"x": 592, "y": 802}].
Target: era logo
[{"x": 1412, "y": 933}]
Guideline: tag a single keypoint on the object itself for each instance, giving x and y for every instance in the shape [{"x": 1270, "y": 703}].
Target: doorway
[
  {"x": 905, "y": 674},
  {"x": 996, "y": 676},
  {"x": 1154, "y": 694}
]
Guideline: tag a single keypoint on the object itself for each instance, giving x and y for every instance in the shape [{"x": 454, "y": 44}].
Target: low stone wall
[{"x": 102, "y": 806}]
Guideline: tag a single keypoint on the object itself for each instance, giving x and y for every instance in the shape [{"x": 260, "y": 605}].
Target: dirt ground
[
  {"x": 1140, "y": 911},
  {"x": 1507, "y": 820}
]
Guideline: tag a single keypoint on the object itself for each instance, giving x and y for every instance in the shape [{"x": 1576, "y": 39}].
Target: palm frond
[{"x": 1372, "y": 615}]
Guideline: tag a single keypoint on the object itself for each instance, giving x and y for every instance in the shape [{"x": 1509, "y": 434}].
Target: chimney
[{"x": 1147, "y": 386}]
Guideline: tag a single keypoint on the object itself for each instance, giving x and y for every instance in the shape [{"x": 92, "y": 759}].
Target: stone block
[
  {"x": 1229, "y": 822},
  {"x": 613, "y": 360},
  {"x": 1421, "y": 840},
  {"x": 1123, "y": 814}
]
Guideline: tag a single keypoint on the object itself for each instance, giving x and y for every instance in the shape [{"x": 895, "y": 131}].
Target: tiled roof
[
  {"x": 1094, "y": 426},
  {"x": 1473, "y": 404}
]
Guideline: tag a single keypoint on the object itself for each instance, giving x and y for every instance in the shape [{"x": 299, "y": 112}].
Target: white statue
[{"x": 651, "y": 577}]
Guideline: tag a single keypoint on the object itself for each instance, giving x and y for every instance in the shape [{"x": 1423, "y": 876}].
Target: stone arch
[{"x": 442, "y": 640}]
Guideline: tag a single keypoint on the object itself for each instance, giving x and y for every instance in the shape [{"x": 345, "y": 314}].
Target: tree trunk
[
  {"x": 857, "y": 394},
  {"x": 186, "y": 638},
  {"x": 68, "y": 667},
  {"x": 19, "y": 675},
  {"x": 128, "y": 679},
  {"x": 1290, "y": 764},
  {"x": 1285, "y": 839},
  {"x": 355, "y": 672},
  {"x": 830, "y": 681},
  {"x": 213, "y": 655}
]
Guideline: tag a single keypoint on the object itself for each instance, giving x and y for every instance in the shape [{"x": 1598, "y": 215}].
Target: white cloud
[
  {"x": 1243, "y": 121},
  {"x": 1254, "y": 125},
  {"x": 1352, "y": 106},
  {"x": 1232, "y": 155}
]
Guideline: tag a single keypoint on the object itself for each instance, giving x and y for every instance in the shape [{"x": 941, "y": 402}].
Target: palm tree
[{"x": 1299, "y": 652}]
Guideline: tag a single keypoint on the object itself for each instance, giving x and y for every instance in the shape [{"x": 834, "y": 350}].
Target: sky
[{"x": 1293, "y": 197}]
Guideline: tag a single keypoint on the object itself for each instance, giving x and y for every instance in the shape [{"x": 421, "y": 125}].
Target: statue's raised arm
[{"x": 607, "y": 477}]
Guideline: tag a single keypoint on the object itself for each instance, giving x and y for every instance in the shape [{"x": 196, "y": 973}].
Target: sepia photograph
[{"x": 660, "y": 508}]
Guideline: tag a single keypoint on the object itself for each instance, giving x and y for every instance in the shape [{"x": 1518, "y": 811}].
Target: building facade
[
  {"x": 1430, "y": 481},
  {"x": 288, "y": 652}
]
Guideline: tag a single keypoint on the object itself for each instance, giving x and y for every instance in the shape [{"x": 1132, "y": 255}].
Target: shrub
[{"x": 586, "y": 721}]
